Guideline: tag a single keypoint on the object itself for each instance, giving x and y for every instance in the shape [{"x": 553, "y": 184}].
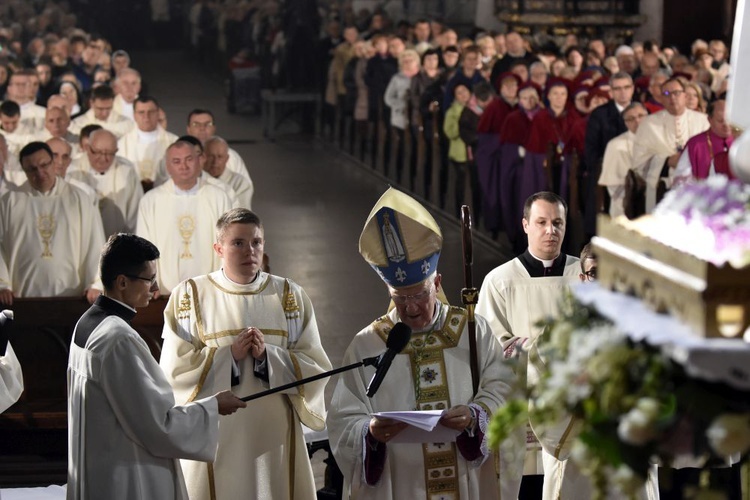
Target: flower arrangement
[
  {"x": 634, "y": 405},
  {"x": 709, "y": 219}
]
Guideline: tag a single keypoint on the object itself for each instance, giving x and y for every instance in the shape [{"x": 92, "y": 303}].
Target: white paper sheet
[{"x": 423, "y": 427}]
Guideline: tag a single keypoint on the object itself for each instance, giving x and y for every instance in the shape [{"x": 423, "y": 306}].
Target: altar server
[{"x": 244, "y": 328}]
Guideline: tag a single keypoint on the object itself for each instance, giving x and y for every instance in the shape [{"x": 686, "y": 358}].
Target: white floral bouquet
[{"x": 635, "y": 406}]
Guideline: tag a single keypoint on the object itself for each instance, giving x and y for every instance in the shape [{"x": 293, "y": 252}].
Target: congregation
[{"x": 490, "y": 118}]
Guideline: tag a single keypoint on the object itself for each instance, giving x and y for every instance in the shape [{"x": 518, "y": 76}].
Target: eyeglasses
[
  {"x": 590, "y": 274},
  {"x": 150, "y": 281},
  {"x": 623, "y": 87},
  {"x": 105, "y": 154},
  {"x": 419, "y": 297},
  {"x": 201, "y": 124},
  {"x": 673, "y": 93}
]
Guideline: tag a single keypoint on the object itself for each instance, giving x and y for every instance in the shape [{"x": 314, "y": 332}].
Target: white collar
[{"x": 547, "y": 263}]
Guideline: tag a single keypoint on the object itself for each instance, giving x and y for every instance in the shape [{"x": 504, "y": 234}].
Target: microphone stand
[{"x": 373, "y": 361}]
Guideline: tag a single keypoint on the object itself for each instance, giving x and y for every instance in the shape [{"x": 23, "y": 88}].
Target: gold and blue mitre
[{"x": 401, "y": 240}]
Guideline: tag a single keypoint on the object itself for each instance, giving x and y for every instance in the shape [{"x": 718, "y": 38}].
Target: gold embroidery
[
  {"x": 297, "y": 374},
  {"x": 228, "y": 333},
  {"x": 290, "y": 302},
  {"x": 183, "y": 311},
  {"x": 294, "y": 427},
  {"x": 46, "y": 225},
  {"x": 206, "y": 368},
  {"x": 186, "y": 224},
  {"x": 211, "y": 481},
  {"x": 198, "y": 314}
]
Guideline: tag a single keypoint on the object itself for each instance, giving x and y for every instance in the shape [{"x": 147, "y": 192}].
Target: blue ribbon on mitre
[{"x": 401, "y": 241}]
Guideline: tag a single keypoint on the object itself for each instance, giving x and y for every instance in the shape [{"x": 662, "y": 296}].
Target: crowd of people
[
  {"x": 510, "y": 115},
  {"x": 86, "y": 154},
  {"x": 98, "y": 199}
]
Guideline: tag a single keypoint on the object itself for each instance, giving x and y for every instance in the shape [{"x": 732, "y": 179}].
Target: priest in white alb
[
  {"x": 217, "y": 156},
  {"x": 57, "y": 124},
  {"x": 516, "y": 295},
  {"x": 16, "y": 135},
  {"x": 242, "y": 328},
  {"x": 618, "y": 158},
  {"x": 145, "y": 144},
  {"x": 101, "y": 112},
  {"x": 127, "y": 85},
  {"x": 113, "y": 178},
  {"x": 50, "y": 234},
  {"x": 125, "y": 431},
  {"x": 176, "y": 215},
  {"x": 661, "y": 137},
  {"x": 202, "y": 125},
  {"x": 18, "y": 91}
]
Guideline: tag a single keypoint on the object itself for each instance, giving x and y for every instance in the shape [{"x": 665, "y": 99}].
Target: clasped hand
[{"x": 249, "y": 341}]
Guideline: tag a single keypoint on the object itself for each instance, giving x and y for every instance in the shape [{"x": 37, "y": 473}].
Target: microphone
[
  {"x": 398, "y": 337},
  {"x": 6, "y": 318}
]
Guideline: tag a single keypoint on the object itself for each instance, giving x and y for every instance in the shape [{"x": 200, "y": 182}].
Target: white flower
[
  {"x": 729, "y": 433},
  {"x": 627, "y": 481},
  {"x": 581, "y": 454},
  {"x": 637, "y": 427},
  {"x": 649, "y": 406}
]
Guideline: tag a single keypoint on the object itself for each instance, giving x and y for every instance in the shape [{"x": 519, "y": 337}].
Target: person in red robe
[
  {"x": 551, "y": 130},
  {"x": 487, "y": 149},
  {"x": 513, "y": 137}
]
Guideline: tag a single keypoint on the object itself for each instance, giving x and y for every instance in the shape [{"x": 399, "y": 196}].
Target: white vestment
[
  {"x": 50, "y": 243},
  {"x": 242, "y": 187},
  {"x": 618, "y": 159},
  {"x": 236, "y": 164},
  {"x": 6, "y": 184},
  {"x": 181, "y": 225},
  {"x": 514, "y": 302},
  {"x": 262, "y": 452},
  {"x": 11, "y": 379},
  {"x": 116, "y": 123},
  {"x": 13, "y": 172},
  {"x": 118, "y": 192},
  {"x": 32, "y": 117},
  {"x": 124, "y": 430},
  {"x": 122, "y": 108},
  {"x": 233, "y": 199},
  {"x": 145, "y": 150},
  {"x": 660, "y": 136},
  {"x": 438, "y": 359},
  {"x": 16, "y": 140}
]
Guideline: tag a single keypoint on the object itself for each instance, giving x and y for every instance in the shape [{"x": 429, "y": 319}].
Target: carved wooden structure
[{"x": 713, "y": 301}]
